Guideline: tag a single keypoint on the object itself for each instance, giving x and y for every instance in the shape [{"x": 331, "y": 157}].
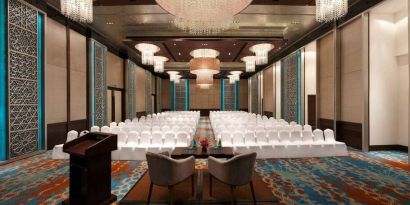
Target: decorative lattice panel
[
  {"x": 130, "y": 89},
  {"x": 180, "y": 95},
  {"x": 255, "y": 93},
  {"x": 99, "y": 82},
  {"x": 290, "y": 84},
  {"x": 148, "y": 87},
  {"x": 23, "y": 75},
  {"x": 159, "y": 94},
  {"x": 229, "y": 95}
]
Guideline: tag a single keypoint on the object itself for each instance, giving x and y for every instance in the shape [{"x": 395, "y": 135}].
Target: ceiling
[{"x": 279, "y": 22}]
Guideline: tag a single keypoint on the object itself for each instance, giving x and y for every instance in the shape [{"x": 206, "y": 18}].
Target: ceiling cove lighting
[
  {"x": 147, "y": 52},
  {"x": 172, "y": 75},
  {"x": 261, "y": 51},
  {"x": 201, "y": 17},
  {"x": 78, "y": 10},
  {"x": 204, "y": 53},
  {"x": 331, "y": 10},
  {"x": 159, "y": 62},
  {"x": 250, "y": 63}
]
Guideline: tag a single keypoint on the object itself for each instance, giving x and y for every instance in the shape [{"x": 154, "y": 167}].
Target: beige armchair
[
  {"x": 165, "y": 171},
  {"x": 236, "y": 171}
]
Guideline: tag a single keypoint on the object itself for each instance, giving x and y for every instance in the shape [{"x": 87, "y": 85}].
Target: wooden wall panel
[
  {"x": 205, "y": 98},
  {"x": 326, "y": 77},
  {"x": 115, "y": 71},
  {"x": 56, "y": 72},
  {"x": 166, "y": 94},
  {"x": 243, "y": 94},
  {"x": 268, "y": 104},
  {"x": 78, "y": 76},
  {"x": 141, "y": 90}
]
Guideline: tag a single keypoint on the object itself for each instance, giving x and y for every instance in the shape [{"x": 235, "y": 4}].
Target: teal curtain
[{"x": 40, "y": 43}]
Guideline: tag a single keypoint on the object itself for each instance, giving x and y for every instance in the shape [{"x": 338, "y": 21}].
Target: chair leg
[
  {"x": 233, "y": 198},
  {"x": 210, "y": 185},
  {"x": 192, "y": 185},
  {"x": 150, "y": 192},
  {"x": 253, "y": 193}
]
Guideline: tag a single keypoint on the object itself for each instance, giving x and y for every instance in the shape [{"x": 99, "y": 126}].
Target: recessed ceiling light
[
  {"x": 109, "y": 23},
  {"x": 179, "y": 53},
  {"x": 229, "y": 53},
  {"x": 204, "y": 44},
  {"x": 175, "y": 44},
  {"x": 234, "y": 44}
]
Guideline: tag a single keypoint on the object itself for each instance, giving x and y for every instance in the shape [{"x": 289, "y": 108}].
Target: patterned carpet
[
  {"x": 381, "y": 177},
  {"x": 42, "y": 180}
]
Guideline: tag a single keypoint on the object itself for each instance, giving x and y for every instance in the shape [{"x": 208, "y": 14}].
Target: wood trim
[
  {"x": 325, "y": 124},
  {"x": 350, "y": 133},
  {"x": 388, "y": 147},
  {"x": 57, "y": 132},
  {"x": 112, "y": 105},
  {"x": 268, "y": 113},
  {"x": 140, "y": 114},
  {"x": 115, "y": 88},
  {"x": 68, "y": 72},
  {"x": 204, "y": 112}
]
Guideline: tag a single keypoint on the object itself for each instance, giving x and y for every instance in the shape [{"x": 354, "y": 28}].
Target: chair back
[
  {"x": 113, "y": 124},
  {"x": 72, "y": 135},
  {"x": 249, "y": 137},
  {"x": 145, "y": 138},
  {"x": 169, "y": 138},
  {"x": 132, "y": 137},
  {"x": 295, "y": 136},
  {"x": 237, "y": 138},
  {"x": 284, "y": 136},
  {"x": 95, "y": 129},
  {"x": 84, "y": 132},
  {"x": 182, "y": 137},
  {"x": 318, "y": 135},
  {"x": 240, "y": 169},
  {"x": 307, "y": 127},
  {"x": 307, "y": 136},
  {"x": 122, "y": 137},
  {"x": 156, "y": 138},
  {"x": 105, "y": 129},
  {"x": 329, "y": 135}
]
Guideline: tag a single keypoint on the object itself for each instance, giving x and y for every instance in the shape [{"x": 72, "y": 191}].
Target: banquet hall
[{"x": 204, "y": 102}]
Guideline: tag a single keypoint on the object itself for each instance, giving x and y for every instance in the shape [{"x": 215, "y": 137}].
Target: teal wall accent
[
  {"x": 187, "y": 94},
  {"x": 3, "y": 82},
  {"x": 172, "y": 96},
  {"x": 40, "y": 43}
]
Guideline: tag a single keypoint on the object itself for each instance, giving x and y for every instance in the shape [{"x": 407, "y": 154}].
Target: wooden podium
[{"x": 90, "y": 169}]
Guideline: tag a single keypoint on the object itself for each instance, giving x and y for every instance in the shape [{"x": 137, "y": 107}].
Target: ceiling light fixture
[
  {"x": 177, "y": 79},
  {"x": 331, "y": 10},
  {"x": 204, "y": 17},
  {"x": 78, "y": 10},
  {"x": 159, "y": 62},
  {"x": 261, "y": 51},
  {"x": 147, "y": 52},
  {"x": 236, "y": 75},
  {"x": 204, "y": 53},
  {"x": 172, "y": 75},
  {"x": 231, "y": 79},
  {"x": 249, "y": 63}
]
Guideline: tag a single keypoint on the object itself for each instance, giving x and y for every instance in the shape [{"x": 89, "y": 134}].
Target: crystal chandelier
[
  {"x": 249, "y": 63},
  {"x": 204, "y": 68},
  {"x": 159, "y": 62},
  {"x": 78, "y": 10},
  {"x": 330, "y": 10},
  {"x": 261, "y": 51},
  {"x": 204, "y": 81},
  {"x": 147, "y": 52},
  {"x": 204, "y": 16}
]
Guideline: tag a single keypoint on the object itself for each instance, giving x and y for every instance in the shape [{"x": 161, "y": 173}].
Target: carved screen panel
[
  {"x": 25, "y": 91},
  {"x": 130, "y": 89},
  {"x": 291, "y": 87},
  {"x": 229, "y": 95},
  {"x": 98, "y": 83},
  {"x": 180, "y": 95}
]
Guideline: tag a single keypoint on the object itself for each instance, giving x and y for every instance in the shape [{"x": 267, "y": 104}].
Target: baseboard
[
  {"x": 268, "y": 113},
  {"x": 388, "y": 148}
]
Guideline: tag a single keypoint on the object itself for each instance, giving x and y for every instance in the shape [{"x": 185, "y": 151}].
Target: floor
[{"x": 381, "y": 177}]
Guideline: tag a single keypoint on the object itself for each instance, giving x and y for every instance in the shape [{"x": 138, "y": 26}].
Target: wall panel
[
  {"x": 141, "y": 90},
  {"x": 268, "y": 103},
  {"x": 166, "y": 94},
  {"x": 205, "y": 98},
  {"x": 243, "y": 94}
]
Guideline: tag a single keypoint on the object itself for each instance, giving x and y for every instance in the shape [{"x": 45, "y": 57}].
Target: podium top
[{"x": 91, "y": 144}]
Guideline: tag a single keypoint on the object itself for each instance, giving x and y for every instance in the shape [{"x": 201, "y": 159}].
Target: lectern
[{"x": 90, "y": 169}]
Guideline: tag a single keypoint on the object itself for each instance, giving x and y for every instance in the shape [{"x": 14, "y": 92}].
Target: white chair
[
  {"x": 295, "y": 136},
  {"x": 293, "y": 123},
  {"x": 121, "y": 124},
  {"x": 156, "y": 142},
  {"x": 182, "y": 139},
  {"x": 95, "y": 129},
  {"x": 141, "y": 149},
  {"x": 332, "y": 146},
  {"x": 297, "y": 128},
  {"x": 121, "y": 142},
  {"x": 113, "y": 124},
  {"x": 329, "y": 135},
  {"x": 284, "y": 137},
  {"x": 288, "y": 128},
  {"x": 127, "y": 121},
  {"x": 84, "y": 132},
  {"x": 237, "y": 139},
  {"x": 273, "y": 137},
  {"x": 115, "y": 130},
  {"x": 318, "y": 136},
  {"x": 165, "y": 128},
  {"x": 307, "y": 136},
  {"x": 261, "y": 138},
  {"x": 307, "y": 127},
  {"x": 105, "y": 129},
  {"x": 250, "y": 139},
  {"x": 226, "y": 139},
  {"x": 58, "y": 149},
  {"x": 169, "y": 141},
  {"x": 145, "y": 139}
]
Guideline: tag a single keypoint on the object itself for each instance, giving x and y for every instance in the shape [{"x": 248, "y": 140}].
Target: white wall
[
  {"x": 310, "y": 73},
  {"x": 389, "y": 77},
  {"x": 276, "y": 69}
]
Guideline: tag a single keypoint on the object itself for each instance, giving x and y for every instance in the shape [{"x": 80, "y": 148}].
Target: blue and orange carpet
[{"x": 381, "y": 177}]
